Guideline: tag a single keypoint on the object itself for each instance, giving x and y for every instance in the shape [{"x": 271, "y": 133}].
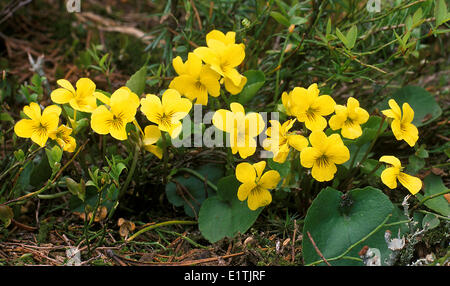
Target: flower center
[
  {"x": 322, "y": 161},
  {"x": 311, "y": 113},
  {"x": 166, "y": 119},
  {"x": 348, "y": 122},
  {"x": 117, "y": 121},
  {"x": 41, "y": 129}
]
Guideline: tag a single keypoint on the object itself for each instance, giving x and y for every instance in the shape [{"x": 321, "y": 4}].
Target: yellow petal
[
  {"x": 233, "y": 75},
  {"x": 125, "y": 104},
  {"x": 234, "y": 55},
  {"x": 102, "y": 97},
  {"x": 395, "y": 109},
  {"x": 212, "y": 85},
  {"x": 270, "y": 179},
  {"x": 245, "y": 189},
  {"x": 66, "y": 85},
  {"x": 298, "y": 142},
  {"x": 223, "y": 120},
  {"x": 40, "y": 138},
  {"x": 315, "y": 122},
  {"x": 85, "y": 87},
  {"x": 24, "y": 128},
  {"x": 411, "y": 134},
  {"x": 245, "y": 173},
  {"x": 338, "y": 154},
  {"x": 101, "y": 120},
  {"x": 392, "y": 160},
  {"x": 258, "y": 198},
  {"x": 56, "y": 110},
  {"x": 323, "y": 172},
  {"x": 118, "y": 131},
  {"x": 61, "y": 95},
  {"x": 232, "y": 88},
  {"x": 33, "y": 111},
  {"x": 337, "y": 121},
  {"x": 317, "y": 138},
  {"x": 209, "y": 57},
  {"x": 155, "y": 150},
  {"x": 151, "y": 134},
  {"x": 308, "y": 156},
  {"x": 361, "y": 115},
  {"x": 324, "y": 105},
  {"x": 413, "y": 184},
  {"x": 408, "y": 113},
  {"x": 178, "y": 65},
  {"x": 389, "y": 177},
  {"x": 247, "y": 150},
  {"x": 152, "y": 108},
  {"x": 50, "y": 121},
  {"x": 194, "y": 65},
  {"x": 254, "y": 124},
  {"x": 351, "y": 131}
]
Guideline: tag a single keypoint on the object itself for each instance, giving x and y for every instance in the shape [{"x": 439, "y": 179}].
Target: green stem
[
  {"x": 166, "y": 157},
  {"x": 153, "y": 226},
  {"x": 430, "y": 197},
  {"x": 200, "y": 176},
  {"x": 373, "y": 142},
  {"x": 131, "y": 172},
  {"x": 275, "y": 99},
  {"x": 53, "y": 196},
  {"x": 353, "y": 245}
]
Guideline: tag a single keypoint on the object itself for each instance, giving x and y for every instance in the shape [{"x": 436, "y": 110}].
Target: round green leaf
[
  {"x": 6, "y": 215},
  {"x": 224, "y": 215},
  {"x": 336, "y": 223}
]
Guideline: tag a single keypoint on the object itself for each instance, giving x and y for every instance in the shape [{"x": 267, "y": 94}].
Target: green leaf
[
  {"x": 337, "y": 222},
  {"x": 224, "y": 215},
  {"x": 430, "y": 221},
  {"x": 415, "y": 164},
  {"x": 6, "y": 117},
  {"x": 342, "y": 37},
  {"x": 434, "y": 185},
  {"x": 409, "y": 23},
  {"x": 255, "y": 80},
  {"x": 297, "y": 21},
  {"x": 137, "y": 81},
  {"x": 328, "y": 29},
  {"x": 6, "y": 215},
  {"x": 54, "y": 156},
  {"x": 352, "y": 34},
  {"x": 369, "y": 165},
  {"x": 417, "y": 17},
  {"x": 441, "y": 13},
  {"x": 195, "y": 191},
  {"x": 421, "y": 101},
  {"x": 77, "y": 189},
  {"x": 280, "y": 18}
]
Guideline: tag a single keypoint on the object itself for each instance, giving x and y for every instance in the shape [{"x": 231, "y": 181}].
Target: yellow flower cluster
[
  {"x": 327, "y": 151},
  {"x": 221, "y": 57},
  {"x": 201, "y": 75}
]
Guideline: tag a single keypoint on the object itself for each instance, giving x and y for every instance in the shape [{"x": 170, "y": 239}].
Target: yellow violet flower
[
  {"x": 324, "y": 154},
  {"x": 195, "y": 81},
  {"x": 63, "y": 138},
  {"x": 223, "y": 56},
  {"x": 390, "y": 176},
  {"x": 308, "y": 106},
  {"x": 241, "y": 127},
  {"x": 166, "y": 112},
  {"x": 280, "y": 140},
  {"x": 81, "y": 99},
  {"x": 349, "y": 119},
  {"x": 401, "y": 124},
  {"x": 151, "y": 136},
  {"x": 255, "y": 185},
  {"x": 39, "y": 126},
  {"x": 123, "y": 106}
]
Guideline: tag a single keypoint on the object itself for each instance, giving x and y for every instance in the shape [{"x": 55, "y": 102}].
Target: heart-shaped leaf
[
  {"x": 137, "y": 81},
  {"x": 225, "y": 215},
  {"x": 336, "y": 222}
]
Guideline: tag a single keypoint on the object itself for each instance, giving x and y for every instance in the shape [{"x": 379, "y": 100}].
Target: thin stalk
[
  {"x": 131, "y": 172},
  {"x": 153, "y": 226},
  {"x": 166, "y": 158},
  {"x": 200, "y": 176},
  {"x": 275, "y": 99}
]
